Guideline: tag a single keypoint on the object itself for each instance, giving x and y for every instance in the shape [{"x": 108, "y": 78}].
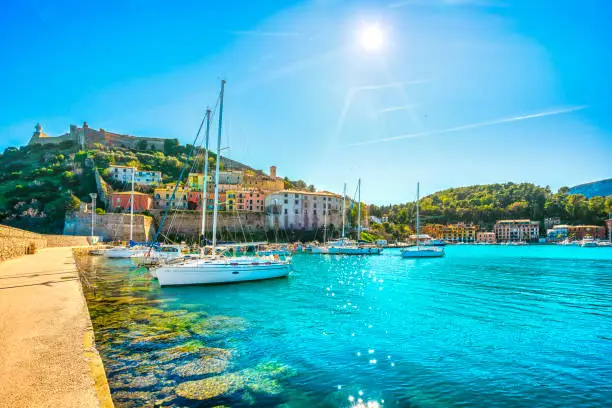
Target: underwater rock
[
  {"x": 133, "y": 382},
  {"x": 210, "y": 387},
  {"x": 203, "y": 366}
]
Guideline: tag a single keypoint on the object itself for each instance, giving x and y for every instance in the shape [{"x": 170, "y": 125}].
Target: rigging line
[{"x": 161, "y": 225}]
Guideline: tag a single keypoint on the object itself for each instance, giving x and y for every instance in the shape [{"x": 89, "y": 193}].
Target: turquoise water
[{"x": 490, "y": 326}]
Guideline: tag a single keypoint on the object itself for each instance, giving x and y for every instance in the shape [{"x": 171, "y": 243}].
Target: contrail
[
  {"x": 353, "y": 91},
  {"x": 474, "y": 125},
  {"x": 395, "y": 109}
]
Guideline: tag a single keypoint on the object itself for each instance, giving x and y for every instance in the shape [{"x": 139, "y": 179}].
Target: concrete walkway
[{"x": 47, "y": 355}]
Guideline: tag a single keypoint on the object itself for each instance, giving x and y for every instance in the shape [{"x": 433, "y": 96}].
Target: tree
[
  {"x": 171, "y": 146},
  {"x": 141, "y": 145},
  {"x": 72, "y": 203}
]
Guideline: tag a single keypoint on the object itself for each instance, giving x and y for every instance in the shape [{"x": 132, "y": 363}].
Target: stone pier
[{"x": 47, "y": 354}]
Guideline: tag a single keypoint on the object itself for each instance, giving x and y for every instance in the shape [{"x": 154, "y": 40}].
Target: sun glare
[{"x": 371, "y": 38}]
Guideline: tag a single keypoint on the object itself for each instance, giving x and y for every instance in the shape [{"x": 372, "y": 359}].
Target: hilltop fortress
[{"x": 86, "y": 137}]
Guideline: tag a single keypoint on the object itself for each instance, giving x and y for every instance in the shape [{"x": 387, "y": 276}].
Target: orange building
[
  {"x": 579, "y": 232},
  {"x": 195, "y": 201},
  {"x": 122, "y": 200}
]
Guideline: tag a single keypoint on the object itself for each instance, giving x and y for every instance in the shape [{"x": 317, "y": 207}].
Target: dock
[{"x": 47, "y": 352}]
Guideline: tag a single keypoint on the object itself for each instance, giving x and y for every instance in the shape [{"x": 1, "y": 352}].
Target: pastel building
[
  {"x": 249, "y": 200},
  {"x": 260, "y": 181},
  {"x": 195, "y": 199},
  {"x": 452, "y": 232},
  {"x": 516, "y": 230},
  {"x": 163, "y": 195},
  {"x": 291, "y": 209},
  {"x": 485, "y": 237},
  {"x": 195, "y": 181},
  {"x": 609, "y": 227},
  {"x": 124, "y": 174},
  {"x": 557, "y": 233},
  {"x": 122, "y": 200},
  {"x": 579, "y": 232}
]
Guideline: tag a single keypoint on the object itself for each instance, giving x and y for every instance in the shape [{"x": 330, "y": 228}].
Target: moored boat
[{"x": 418, "y": 250}]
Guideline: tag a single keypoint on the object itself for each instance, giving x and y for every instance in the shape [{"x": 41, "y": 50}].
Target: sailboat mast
[
  {"x": 216, "y": 199},
  {"x": 132, "y": 207},
  {"x": 325, "y": 210},
  {"x": 204, "y": 186},
  {"x": 343, "y": 210},
  {"x": 418, "y": 227},
  {"x": 358, "y": 210}
]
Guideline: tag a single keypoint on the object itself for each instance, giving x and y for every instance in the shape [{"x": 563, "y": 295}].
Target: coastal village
[{"x": 259, "y": 201}]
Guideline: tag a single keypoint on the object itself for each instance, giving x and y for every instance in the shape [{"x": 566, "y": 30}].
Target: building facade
[
  {"x": 144, "y": 178},
  {"x": 485, "y": 237},
  {"x": 163, "y": 195},
  {"x": 142, "y": 202},
  {"x": 452, "y": 232},
  {"x": 579, "y": 232},
  {"x": 609, "y": 227},
  {"x": 557, "y": 233},
  {"x": 267, "y": 183},
  {"x": 195, "y": 181},
  {"x": 516, "y": 230},
  {"x": 292, "y": 209}
]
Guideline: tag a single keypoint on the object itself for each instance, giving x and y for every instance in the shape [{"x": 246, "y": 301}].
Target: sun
[{"x": 371, "y": 38}]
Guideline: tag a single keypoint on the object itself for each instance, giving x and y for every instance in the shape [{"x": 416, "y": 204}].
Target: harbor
[{"x": 482, "y": 325}]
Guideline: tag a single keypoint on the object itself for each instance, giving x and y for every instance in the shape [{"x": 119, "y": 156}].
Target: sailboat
[
  {"x": 129, "y": 251},
  {"x": 421, "y": 251},
  {"x": 347, "y": 247},
  {"x": 217, "y": 268}
]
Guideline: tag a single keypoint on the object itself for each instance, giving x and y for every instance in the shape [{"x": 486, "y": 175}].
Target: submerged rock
[
  {"x": 202, "y": 366},
  {"x": 210, "y": 387}
]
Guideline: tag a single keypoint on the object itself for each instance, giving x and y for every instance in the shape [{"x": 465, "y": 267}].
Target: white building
[
  {"x": 124, "y": 174},
  {"x": 291, "y": 209}
]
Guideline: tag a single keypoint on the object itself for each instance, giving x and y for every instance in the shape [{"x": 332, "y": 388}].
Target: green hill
[{"x": 485, "y": 204}]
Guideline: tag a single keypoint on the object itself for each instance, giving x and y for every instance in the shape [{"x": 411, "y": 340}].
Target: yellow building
[
  {"x": 452, "y": 232},
  {"x": 195, "y": 181},
  {"x": 263, "y": 182},
  {"x": 162, "y": 196}
]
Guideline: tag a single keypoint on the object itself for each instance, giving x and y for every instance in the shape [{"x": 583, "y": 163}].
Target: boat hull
[
  {"x": 423, "y": 253},
  {"x": 121, "y": 253},
  {"x": 353, "y": 251},
  {"x": 215, "y": 274}
]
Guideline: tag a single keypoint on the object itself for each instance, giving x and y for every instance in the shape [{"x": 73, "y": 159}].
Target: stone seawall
[
  {"x": 188, "y": 223},
  {"x": 15, "y": 242},
  {"x": 111, "y": 227}
]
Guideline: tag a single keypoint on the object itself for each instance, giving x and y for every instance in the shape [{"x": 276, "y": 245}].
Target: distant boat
[
  {"x": 588, "y": 242},
  {"x": 421, "y": 251}
]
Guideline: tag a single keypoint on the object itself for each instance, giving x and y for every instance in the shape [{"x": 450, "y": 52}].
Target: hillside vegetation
[{"x": 485, "y": 204}]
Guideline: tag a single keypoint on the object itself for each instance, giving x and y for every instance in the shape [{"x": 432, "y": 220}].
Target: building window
[
  {"x": 296, "y": 211},
  {"x": 286, "y": 201},
  {"x": 296, "y": 202},
  {"x": 285, "y": 211}
]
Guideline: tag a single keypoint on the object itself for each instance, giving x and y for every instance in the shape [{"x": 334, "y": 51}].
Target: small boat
[
  {"x": 588, "y": 242},
  {"x": 99, "y": 250},
  {"x": 271, "y": 250},
  {"x": 436, "y": 242},
  {"x": 421, "y": 251},
  {"x": 604, "y": 244},
  {"x": 156, "y": 256},
  {"x": 345, "y": 246},
  {"x": 124, "y": 252}
]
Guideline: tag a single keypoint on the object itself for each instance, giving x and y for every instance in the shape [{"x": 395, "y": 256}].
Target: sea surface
[{"x": 486, "y": 326}]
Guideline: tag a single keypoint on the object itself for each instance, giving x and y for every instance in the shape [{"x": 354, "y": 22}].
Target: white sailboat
[
  {"x": 127, "y": 252},
  {"x": 348, "y": 247},
  {"x": 421, "y": 251},
  {"x": 217, "y": 268}
]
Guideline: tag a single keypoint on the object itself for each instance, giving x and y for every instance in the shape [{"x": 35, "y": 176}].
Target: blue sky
[{"x": 462, "y": 92}]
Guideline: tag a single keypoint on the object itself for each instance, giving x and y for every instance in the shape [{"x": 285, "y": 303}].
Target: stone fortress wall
[{"x": 87, "y": 137}]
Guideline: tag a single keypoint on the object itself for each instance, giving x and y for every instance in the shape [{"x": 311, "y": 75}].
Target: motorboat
[{"x": 124, "y": 252}]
